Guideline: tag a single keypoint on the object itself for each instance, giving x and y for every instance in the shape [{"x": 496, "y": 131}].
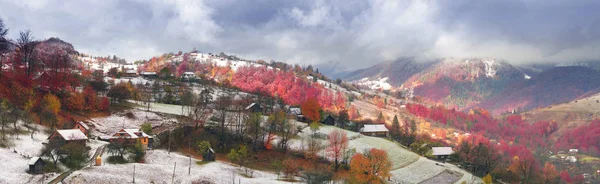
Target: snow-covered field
[
  {"x": 118, "y": 121},
  {"x": 159, "y": 169},
  {"x": 408, "y": 167},
  {"x": 161, "y": 108},
  {"x": 14, "y": 159}
]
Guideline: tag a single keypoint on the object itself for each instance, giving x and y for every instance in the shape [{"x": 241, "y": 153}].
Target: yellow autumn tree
[
  {"x": 487, "y": 179},
  {"x": 50, "y": 108}
]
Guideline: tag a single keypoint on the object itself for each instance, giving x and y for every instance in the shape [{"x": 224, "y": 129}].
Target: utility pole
[
  {"x": 173, "y": 179},
  {"x": 133, "y": 173}
]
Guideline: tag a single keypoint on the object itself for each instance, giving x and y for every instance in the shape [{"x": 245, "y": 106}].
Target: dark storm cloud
[{"x": 354, "y": 32}]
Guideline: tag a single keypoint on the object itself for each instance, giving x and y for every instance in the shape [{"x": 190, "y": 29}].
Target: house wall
[{"x": 78, "y": 126}]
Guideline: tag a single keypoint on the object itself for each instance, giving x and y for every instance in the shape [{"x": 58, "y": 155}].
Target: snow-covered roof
[
  {"x": 295, "y": 110},
  {"x": 83, "y": 125},
  {"x": 148, "y": 73},
  {"x": 130, "y": 71},
  {"x": 133, "y": 133},
  {"x": 72, "y": 134},
  {"x": 250, "y": 106},
  {"x": 374, "y": 128},
  {"x": 33, "y": 160},
  {"x": 442, "y": 151},
  {"x": 188, "y": 73}
]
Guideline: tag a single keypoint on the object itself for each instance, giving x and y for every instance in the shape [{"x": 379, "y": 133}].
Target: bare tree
[
  {"x": 239, "y": 117},
  {"x": 26, "y": 45},
  {"x": 222, "y": 107},
  {"x": 201, "y": 105}
]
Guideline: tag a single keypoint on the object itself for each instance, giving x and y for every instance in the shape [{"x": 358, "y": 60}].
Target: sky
[{"x": 351, "y": 33}]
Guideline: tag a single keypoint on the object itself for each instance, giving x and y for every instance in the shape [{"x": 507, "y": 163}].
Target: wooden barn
[
  {"x": 329, "y": 120},
  {"x": 36, "y": 165},
  {"x": 377, "y": 130}
]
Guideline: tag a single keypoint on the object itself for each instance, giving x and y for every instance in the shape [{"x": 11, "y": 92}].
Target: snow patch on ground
[
  {"x": 379, "y": 83},
  {"x": 117, "y": 121},
  {"x": 14, "y": 159},
  {"x": 159, "y": 169}
]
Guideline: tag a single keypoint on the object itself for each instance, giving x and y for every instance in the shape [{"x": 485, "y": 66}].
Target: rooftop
[
  {"x": 72, "y": 134},
  {"x": 374, "y": 128},
  {"x": 33, "y": 160},
  {"x": 83, "y": 125},
  {"x": 442, "y": 151},
  {"x": 134, "y": 133}
]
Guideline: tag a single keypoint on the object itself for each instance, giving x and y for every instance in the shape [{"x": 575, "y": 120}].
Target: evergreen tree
[{"x": 396, "y": 129}]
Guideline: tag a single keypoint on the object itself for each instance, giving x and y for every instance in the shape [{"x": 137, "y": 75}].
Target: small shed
[
  {"x": 254, "y": 108},
  {"x": 442, "y": 153},
  {"x": 378, "y": 130},
  {"x": 329, "y": 120},
  {"x": 36, "y": 165},
  {"x": 209, "y": 156}
]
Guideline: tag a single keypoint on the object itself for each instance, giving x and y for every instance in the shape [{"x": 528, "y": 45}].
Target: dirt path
[{"x": 62, "y": 176}]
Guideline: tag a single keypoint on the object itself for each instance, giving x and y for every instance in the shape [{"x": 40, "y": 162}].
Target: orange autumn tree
[
  {"x": 338, "y": 143},
  {"x": 372, "y": 167},
  {"x": 310, "y": 109},
  {"x": 549, "y": 173}
]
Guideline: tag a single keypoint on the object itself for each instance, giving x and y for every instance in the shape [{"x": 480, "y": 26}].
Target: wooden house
[
  {"x": 69, "y": 136},
  {"x": 36, "y": 165},
  {"x": 83, "y": 127},
  {"x": 329, "y": 120},
  {"x": 377, "y": 130},
  {"x": 131, "y": 136},
  {"x": 442, "y": 153},
  {"x": 254, "y": 108}
]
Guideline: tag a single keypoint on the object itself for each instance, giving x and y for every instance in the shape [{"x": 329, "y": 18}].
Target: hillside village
[{"x": 194, "y": 117}]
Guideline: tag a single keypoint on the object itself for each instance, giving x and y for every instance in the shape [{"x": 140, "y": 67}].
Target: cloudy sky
[{"x": 355, "y": 33}]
